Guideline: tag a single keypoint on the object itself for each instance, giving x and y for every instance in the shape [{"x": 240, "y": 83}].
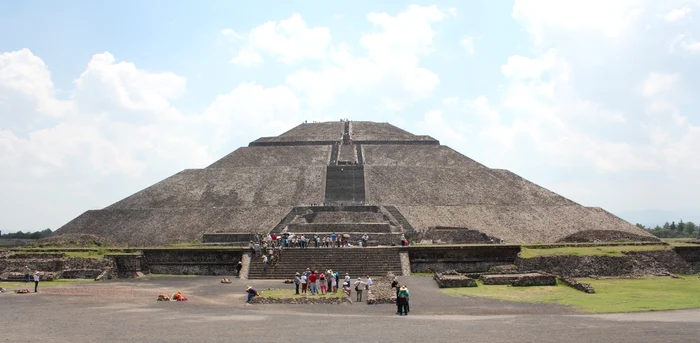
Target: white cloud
[
  {"x": 290, "y": 41},
  {"x": 685, "y": 43},
  {"x": 659, "y": 83},
  {"x": 108, "y": 84},
  {"x": 520, "y": 67},
  {"x": 247, "y": 58},
  {"x": 230, "y": 32},
  {"x": 25, "y": 81},
  {"x": 468, "y": 44},
  {"x": 390, "y": 70},
  {"x": 610, "y": 18},
  {"x": 677, "y": 15}
]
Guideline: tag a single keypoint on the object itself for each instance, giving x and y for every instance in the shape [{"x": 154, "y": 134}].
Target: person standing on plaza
[
  {"x": 359, "y": 287},
  {"x": 239, "y": 266},
  {"x": 36, "y": 280},
  {"x": 346, "y": 290},
  {"x": 334, "y": 239},
  {"x": 402, "y": 301},
  {"x": 304, "y": 283},
  {"x": 347, "y": 278},
  {"x": 313, "y": 278},
  {"x": 368, "y": 282},
  {"x": 297, "y": 281},
  {"x": 322, "y": 283},
  {"x": 329, "y": 279}
]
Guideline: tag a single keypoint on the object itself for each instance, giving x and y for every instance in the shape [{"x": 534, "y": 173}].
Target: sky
[{"x": 590, "y": 99}]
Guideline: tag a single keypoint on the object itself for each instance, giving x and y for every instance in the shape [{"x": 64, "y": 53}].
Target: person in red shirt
[{"x": 312, "y": 282}]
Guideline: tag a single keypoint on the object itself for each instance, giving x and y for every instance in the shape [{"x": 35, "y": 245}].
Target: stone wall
[
  {"x": 461, "y": 258},
  {"x": 634, "y": 263},
  {"x": 190, "y": 261},
  {"x": 690, "y": 254},
  {"x": 51, "y": 265}
]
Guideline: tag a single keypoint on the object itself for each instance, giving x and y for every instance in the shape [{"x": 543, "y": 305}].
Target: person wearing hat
[
  {"x": 297, "y": 281},
  {"x": 36, "y": 280},
  {"x": 252, "y": 293},
  {"x": 359, "y": 287},
  {"x": 402, "y": 301},
  {"x": 347, "y": 278}
]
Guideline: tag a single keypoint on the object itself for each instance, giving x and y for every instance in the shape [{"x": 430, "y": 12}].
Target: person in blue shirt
[{"x": 252, "y": 293}]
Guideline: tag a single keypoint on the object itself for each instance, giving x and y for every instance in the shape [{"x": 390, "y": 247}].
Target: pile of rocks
[{"x": 381, "y": 291}]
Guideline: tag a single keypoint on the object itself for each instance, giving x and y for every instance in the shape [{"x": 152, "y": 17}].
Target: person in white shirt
[
  {"x": 36, "y": 280},
  {"x": 368, "y": 282}
]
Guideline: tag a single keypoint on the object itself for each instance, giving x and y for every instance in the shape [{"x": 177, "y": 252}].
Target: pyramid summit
[{"x": 355, "y": 178}]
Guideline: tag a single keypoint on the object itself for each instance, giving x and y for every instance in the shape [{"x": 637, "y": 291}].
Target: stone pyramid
[{"x": 353, "y": 177}]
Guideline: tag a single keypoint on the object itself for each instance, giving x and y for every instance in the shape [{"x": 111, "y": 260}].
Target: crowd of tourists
[{"x": 321, "y": 283}]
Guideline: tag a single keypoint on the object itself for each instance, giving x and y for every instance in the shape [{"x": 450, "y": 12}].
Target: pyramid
[{"x": 355, "y": 177}]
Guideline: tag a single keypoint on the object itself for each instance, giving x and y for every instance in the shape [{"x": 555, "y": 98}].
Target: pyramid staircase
[{"x": 355, "y": 261}]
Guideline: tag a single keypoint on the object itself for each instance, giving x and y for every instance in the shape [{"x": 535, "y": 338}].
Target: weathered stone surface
[
  {"x": 635, "y": 263},
  {"x": 509, "y": 279},
  {"x": 504, "y": 269},
  {"x": 452, "y": 279},
  {"x": 690, "y": 254},
  {"x": 535, "y": 280}
]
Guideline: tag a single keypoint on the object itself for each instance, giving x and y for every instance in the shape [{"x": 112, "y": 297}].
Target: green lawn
[
  {"x": 289, "y": 293},
  {"x": 612, "y": 295},
  {"x": 589, "y": 251}
]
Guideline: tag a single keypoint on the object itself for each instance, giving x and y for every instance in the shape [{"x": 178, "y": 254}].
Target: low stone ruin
[
  {"x": 573, "y": 283},
  {"x": 452, "y": 279},
  {"x": 529, "y": 279}
]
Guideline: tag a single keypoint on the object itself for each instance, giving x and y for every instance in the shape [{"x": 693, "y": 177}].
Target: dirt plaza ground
[{"x": 127, "y": 311}]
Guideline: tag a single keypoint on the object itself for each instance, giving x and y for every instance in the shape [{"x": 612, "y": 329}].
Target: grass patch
[
  {"x": 589, "y": 251},
  {"x": 289, "y": 293},
  {"x": 612, "y": 295}
]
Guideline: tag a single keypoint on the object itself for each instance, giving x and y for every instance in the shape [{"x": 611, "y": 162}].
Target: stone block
[
  {"x": 535, "y": 280},
  {"x": 451, "y": 280}
]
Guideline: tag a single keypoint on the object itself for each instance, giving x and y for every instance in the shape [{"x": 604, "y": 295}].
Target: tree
[
  {"x": 666, "y": 226},
  {"x": 690, "y": 228},
  {"x": 681, "y": 226},
  {"x": 673, "y": 226}
]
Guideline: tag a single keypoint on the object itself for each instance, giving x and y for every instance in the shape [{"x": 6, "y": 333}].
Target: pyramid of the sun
[{"x": 413, "y": 181}]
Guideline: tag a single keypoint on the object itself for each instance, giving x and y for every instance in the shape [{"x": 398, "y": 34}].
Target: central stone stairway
[
  {"x": 345, "y": 185},
  {"x": 355, "y": 261}
]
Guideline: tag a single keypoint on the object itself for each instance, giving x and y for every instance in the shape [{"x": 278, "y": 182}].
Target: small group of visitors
[{"x": 402, "y": 297}]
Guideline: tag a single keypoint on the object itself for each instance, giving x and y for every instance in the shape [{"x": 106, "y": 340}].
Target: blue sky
[{"x": 594, "y": 100}]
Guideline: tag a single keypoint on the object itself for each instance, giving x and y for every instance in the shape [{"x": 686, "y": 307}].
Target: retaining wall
[
  {"x": 690, "y": 254},
  {"x": 461, "y": 258},
  {"x": 191, "y": 261}
]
